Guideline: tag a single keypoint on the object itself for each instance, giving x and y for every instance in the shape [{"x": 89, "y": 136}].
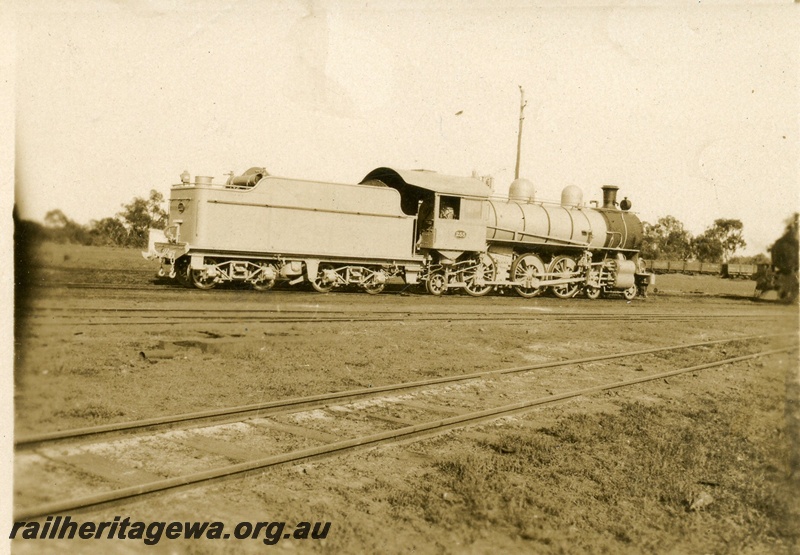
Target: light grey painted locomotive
[{"x": 442, "y": 231}]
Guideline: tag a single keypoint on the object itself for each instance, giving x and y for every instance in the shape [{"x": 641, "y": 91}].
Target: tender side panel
[{"x": 288, "y": 217}]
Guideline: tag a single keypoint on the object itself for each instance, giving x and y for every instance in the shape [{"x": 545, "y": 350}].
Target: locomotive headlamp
[{"x": 185, "y": 177}]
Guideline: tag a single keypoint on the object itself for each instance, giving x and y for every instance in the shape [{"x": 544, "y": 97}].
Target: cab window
[{"x": 449, "y": 208}]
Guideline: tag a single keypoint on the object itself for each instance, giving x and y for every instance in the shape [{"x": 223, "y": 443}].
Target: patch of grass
[
  {"x": 91, "y": 411},
  {"x": 619, "y": 481}
]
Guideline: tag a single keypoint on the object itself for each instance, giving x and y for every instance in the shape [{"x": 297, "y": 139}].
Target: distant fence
[{"x": 730, "y": 270}]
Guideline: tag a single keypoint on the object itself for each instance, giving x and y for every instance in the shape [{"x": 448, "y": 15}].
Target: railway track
[
  {"x": 104, "y": 286},
  {"x": 241, "y": 440},
  {"x": 158, "y": 316}
]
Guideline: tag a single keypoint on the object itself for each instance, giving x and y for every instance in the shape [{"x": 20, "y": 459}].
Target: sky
[{"x": 691, "y": 108}]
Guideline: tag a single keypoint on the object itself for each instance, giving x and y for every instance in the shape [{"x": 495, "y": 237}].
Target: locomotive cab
[
  {"x": 452, "y": 224},
  {"x": 451, "y": 211}
]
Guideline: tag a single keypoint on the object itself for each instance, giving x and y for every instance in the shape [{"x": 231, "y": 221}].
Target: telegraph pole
[{"x": 522, "y": 104}]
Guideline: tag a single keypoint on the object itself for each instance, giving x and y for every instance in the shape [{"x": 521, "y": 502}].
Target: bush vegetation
[{"x": 129, "y": 228}]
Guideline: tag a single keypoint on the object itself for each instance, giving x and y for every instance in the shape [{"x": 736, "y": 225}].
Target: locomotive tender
[{"x": 417, "y": 225}]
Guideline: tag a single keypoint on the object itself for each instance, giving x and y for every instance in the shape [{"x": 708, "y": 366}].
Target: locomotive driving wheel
[
  {"x": 436, "y": 283},
  {"x": 478, "y": 269},
  {"x": 525, "y": 269},
  {"x": 320, "y": 283},
  {"x": 564, "y": 267}
]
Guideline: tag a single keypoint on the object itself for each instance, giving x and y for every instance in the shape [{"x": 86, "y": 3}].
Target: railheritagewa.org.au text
[{"x": 150, "y": 533}]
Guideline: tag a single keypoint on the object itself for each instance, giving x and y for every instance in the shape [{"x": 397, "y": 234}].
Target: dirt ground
[{"x": 701, "y": 463}]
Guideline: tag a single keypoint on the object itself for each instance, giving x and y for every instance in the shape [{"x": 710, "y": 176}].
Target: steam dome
[
  {"x": 521, "y": 190},
  {"x": 571, "y": 196}
]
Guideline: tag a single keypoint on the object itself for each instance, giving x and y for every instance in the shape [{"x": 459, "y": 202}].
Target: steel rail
[
  {"x": 349, "y": 319},
  {"x": 423, "y": 316},
  {"x": 180, "y": 316},
  {"x": 397, "y": 312},
  {"x": 160, "y": 287},
  {"x": 321, "y": 399},
  {"x": 162, "y": 319},
  {"x": 390, "y": 436}
]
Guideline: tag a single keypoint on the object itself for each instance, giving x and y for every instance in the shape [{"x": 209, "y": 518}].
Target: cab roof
[{"x": 409, "y": 181}]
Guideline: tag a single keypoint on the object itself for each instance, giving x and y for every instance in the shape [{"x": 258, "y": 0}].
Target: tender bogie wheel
[
  {"x": 470, "y": 276},
  {"x": 436, "y": 283},
  {"x": 593, "y": 292},
  {"x": 263, "y": 285},
  {"x": 319, "y": 283},
  {"x": 374, "y": 288},
  {"x": 629, "y": 293},
  {"x": 525, "y": 268},
  {"x": 564, "y": 267},
  {"x": 202, "y": 280}
]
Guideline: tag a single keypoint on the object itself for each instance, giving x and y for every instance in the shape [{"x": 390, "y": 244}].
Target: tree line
[
  {"x": 128, "y": 228},
  {"x": 667, "y": 239}
]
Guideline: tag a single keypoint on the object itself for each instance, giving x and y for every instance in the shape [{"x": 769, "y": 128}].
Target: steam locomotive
[
  {"x": 782, "y": 274},
  {"x": 423, "y": 227}
]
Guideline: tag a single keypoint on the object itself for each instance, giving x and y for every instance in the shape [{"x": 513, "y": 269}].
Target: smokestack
[{"x": 610, "y": 196}]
